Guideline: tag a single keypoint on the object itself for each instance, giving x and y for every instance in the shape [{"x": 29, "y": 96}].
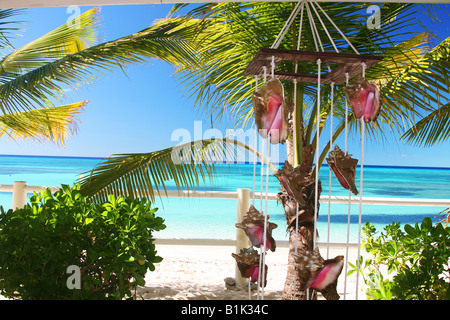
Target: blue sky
[{"x": 139, "y": 111}]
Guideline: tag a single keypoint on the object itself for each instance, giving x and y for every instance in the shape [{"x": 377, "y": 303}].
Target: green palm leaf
[
  {"x": 39, "y": 85},
  {"x": 49, "y": 124},
  {"x": 8, "y": 27},
  {"x": 69, "y": 38},
  {"x": 143, "y": 174},
  {"x": 431, "y": 129}
]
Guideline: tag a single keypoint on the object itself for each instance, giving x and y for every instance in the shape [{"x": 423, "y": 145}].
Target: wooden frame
[{"x": 346, "y": 63}]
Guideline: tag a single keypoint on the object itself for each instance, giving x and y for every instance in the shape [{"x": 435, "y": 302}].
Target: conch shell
[
  {"x": 271, "y": 112},
  {"x": 253, "y": 225},
  {"x": 364, "y": 99},
  {"x": 248, "y": 264},
  {"x": 294, "y": 181},
  {"x": 344, "y": 168},
  {"x": 316, "y": 273}
]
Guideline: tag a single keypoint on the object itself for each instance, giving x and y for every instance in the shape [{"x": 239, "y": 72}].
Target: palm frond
[
  {"x": 40, "y": 86},
  {"x": 143, "y": 174},
  {"x": 421, "y": 86},
  {"x": 48, "y": 124},
  {"x": 8, "y": 28},
  {"x": 431, "y": 129},
  {"x": 69, "y": 38}
]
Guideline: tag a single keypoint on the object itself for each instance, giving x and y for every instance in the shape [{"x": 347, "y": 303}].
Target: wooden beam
[{"x": 346, "y": 63}]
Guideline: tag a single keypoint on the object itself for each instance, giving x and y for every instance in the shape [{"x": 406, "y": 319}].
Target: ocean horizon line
[{"x": 222, "y": 162}]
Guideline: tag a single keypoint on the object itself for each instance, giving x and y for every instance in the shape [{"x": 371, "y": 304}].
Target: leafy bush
[
  {"x": 415, "y": 261},
  {"x": 45, "y": 243}
]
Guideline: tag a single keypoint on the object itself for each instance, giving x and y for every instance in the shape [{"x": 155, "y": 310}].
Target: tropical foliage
[
  {"x": 34, "y": 79},
  {"x": 406, "y": 265},
  {"x": 109, "y": 243},
  {"x": 142, "y": 174}
]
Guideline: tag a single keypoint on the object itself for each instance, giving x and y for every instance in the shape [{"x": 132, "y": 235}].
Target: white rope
[
  {"x": 317, "y": 152},
  {"x": 263, "y": 251},
  {"x": 315, "y": 33},
  {"x": 325, "y": 28},
  {"x": 249, "y": 283},
  {"x": 262, "y": 152},
  {"x": 363, "y": 126},
  {"x": 262, "y": 175},
  {"x": 360, "y": 207},
  {"x": 273, "y": 66},
  {"x": 265, "y": 223},
  {"x": 254, "y": 150},
  {"x": 261, "y": 210},
  {"x": 349, "y": 196},
  {"x": 329, "y": 178},
  {"x": 262, "y": 255},
  {"x": 311, "y": 24},
  {"x": 286, "y": 26},
  {"x": 300, "y": 30},
  {"x": 339, "y": 30},
  {"x": 293, "y": 158},
  {"x": 346, "y": 118},
  {"x": 254, "y": 179}
]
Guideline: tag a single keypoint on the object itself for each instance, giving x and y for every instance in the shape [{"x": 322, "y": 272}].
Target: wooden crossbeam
[{"x": 345, "y": 63}]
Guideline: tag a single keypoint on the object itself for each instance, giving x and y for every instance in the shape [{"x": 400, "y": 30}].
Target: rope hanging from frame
[{"x": 348, "y": 66}]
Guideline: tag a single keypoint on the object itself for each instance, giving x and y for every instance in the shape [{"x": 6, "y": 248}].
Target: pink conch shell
[
  {"x": 294, "y": 181},
  {"x": 248, "y": 264},
  {"x": 319, "y": 274},
  {"x": 253, "y": 225},
  {"x": 344, "y": 168},
  {"x": 271, "y": 112},
  {"x": 364, "y": 99}
]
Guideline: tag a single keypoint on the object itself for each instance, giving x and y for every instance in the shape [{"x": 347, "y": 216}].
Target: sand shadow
[{"x": 204, "y": 293}]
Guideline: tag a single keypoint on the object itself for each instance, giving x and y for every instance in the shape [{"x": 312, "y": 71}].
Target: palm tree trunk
[{"x": 301, "y": 238}]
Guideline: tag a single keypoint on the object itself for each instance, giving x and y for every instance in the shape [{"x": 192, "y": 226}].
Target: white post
[
  {"x": 19, "y": 198},
  {"x": 242, "y": 241}
]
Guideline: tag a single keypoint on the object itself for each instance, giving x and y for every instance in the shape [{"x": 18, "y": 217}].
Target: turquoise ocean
[{"x": 200, "y": 218}]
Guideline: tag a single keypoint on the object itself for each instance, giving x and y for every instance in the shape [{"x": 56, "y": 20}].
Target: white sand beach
[{"x": 195, "y": 270}]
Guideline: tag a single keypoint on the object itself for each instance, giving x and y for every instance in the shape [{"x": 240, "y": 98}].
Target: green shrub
[
  {"x": 415, "y": 261},
  {"x": 45, "y": 244}
]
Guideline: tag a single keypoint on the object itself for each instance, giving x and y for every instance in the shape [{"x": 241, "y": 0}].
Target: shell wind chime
[{"x": 299, "y": 185}]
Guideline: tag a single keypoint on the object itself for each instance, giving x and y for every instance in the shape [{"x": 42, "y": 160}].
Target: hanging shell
[
  {"x": 364, "y": 99},
  {"x": 253, "y": 225},
  {"x": 248, "y": 264},
  {"x": 316, "y": 273},
  {"x": 344, "y": 168},
  {"x": 271, "y": 111},
  {"x": 294, "y": 181}
]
